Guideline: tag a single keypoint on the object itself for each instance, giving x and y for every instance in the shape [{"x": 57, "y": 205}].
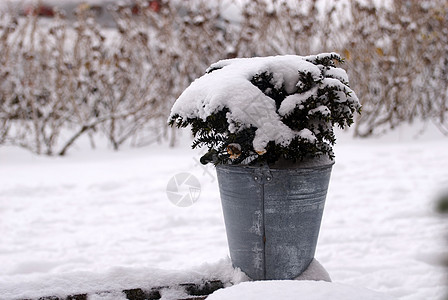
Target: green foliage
[
  {"x": 265, "y": 82},
  {"x": 329, "y": 103},
  {"x": 327, "y": 59}
]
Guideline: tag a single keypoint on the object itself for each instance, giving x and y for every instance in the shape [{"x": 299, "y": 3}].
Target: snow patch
[
  {"x": 295, "y": 100},
  {"x": 291, "y": 289},
  {"x": 109, "y": 284}
]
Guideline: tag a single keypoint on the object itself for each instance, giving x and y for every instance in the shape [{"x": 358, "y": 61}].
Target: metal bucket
[{"x": 273, "y": 217}]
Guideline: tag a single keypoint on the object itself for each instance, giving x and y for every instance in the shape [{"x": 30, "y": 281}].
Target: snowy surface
[
  {"x": 290, "y": 289},
  {"x": 111, "y": 282},
  {"x": 100, "y": 220}
]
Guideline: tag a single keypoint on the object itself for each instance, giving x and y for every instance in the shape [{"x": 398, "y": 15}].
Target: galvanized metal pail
[{"x": 273, "y": 217}]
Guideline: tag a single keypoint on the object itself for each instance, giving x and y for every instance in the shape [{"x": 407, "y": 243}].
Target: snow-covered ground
[
  {"x": 100, "y": 220},
  {"x": 289, "y": 289}
]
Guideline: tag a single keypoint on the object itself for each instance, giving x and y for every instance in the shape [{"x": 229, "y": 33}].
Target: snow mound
[
  {"x": 108, "y": 285},
  {"x": 291, "y": 289},
  {"x": 315, "y": 271}
]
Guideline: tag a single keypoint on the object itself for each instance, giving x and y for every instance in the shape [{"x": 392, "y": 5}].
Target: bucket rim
[{"x": 292, "y": 168}]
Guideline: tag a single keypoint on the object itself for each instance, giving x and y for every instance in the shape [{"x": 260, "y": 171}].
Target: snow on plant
[{"x": 263, "y": 109}]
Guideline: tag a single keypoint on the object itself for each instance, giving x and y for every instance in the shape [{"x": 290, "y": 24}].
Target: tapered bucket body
[{"x": 273, "y": 217}]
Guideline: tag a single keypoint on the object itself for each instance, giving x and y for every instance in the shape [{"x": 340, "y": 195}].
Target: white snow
[
  {"x": 338, "y": 74},
  {"x": 291, "y": 289},
  {"x": 101, "y": 221},
  {"x": 322, "y": 109},
  {"x": 227, "y": 85},
  {"x": 343, "y": 90},
  {"x": 315, "y": 271},
  {"x": 295, "y": 100},
  {"x": 307, "y": 134},
  {"x": 109, "y": 283}
]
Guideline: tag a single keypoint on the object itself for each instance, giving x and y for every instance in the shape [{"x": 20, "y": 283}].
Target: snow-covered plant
[{"x": 263, "y": 109}]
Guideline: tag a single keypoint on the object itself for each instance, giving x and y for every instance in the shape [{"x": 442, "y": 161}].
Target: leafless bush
[
  {"x": 27, "y": 85},
  {"x": 286, "y": 27},
  {"x": 58, "y": 79},
  {"x": 398, "y": 60},
  {"x": 59, "y": 82},
  {"x": 67, "y": 82}
]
